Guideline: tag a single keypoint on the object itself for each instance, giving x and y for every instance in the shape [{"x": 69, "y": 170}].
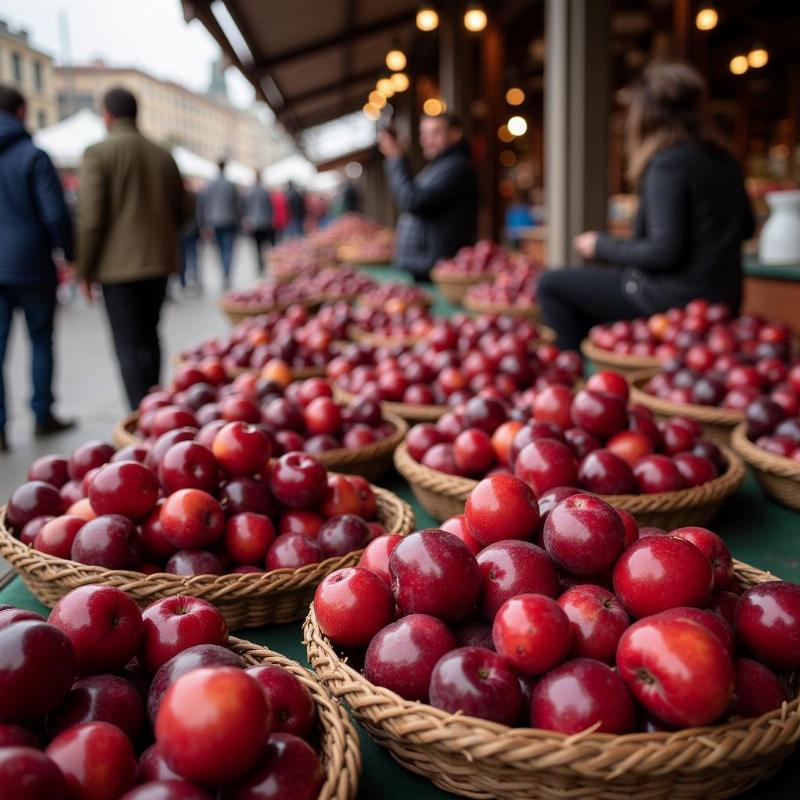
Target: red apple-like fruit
[
  {"x": 545, "y": 464},
  {"x": 768, "y": 623},
  {"x": 51, "y": 469},
  {"x": 580, "y": 694},
  {"x": 176, "y": 623},
  {"x": 433, "y": 572},
  {"x": 103, "y": 624},
  {"x": 299, "y": 481},
  {"x": 600, "y": 413},
  {"x": 502, "y": 507},
  {"x": 30, "y": 500},
  {"x": 242, "y": 449},
  {"x": 212, "y": 725},
  {"x": 476, "y": 682},
  {"x": 188, "y": 465},
  {"x": 352, "y": 604},
  {"x": 28, "y": 774},
  {"x": 248, "y": 537},
  {"x": 583, "y": 535},
  {"x": 292, "y": 550},
  {"x": 293, "y": 709},
  {"x": 757, "y": 689},
  {"x": 111, "y": 541},
  {"x": 127, "y": 488},
  {"x": 597, "y": 619},
  {"x": 343, "y": 534},
  {"x": 166, "y": 790},
  {"x": 712, "y": 622},
  {"x": 509, "y": 568},
  {"x": 678, "y": 670},
  {"x": 714, "y": 549},
  {"x": 657, "y": 473},
  {"x": 193, "y": 562},
  {"x": 662, "y": 572},
  {"x": 97, "y": 760},
  {"x": 37, "y": 668},
  {"x": 375, "y": 557},
  {"x": 57, "y": 535},
  {"x": 191, "y": 519},
  {"x": 532, "y": 632},
  {"x": 402, "y": 656}
]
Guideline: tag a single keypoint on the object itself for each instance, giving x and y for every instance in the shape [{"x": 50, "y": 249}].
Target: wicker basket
[
  {"x": 371, "y": 460},
  {"x": 411, "y": 412},
  {"x": 454, "y": 287},
  {"x": 338, "y": 747},
  {"x": 717, "y": 423},
  {"x": 480, "y": 759},
  {"x": 236, "y": 312},
  {"x": 779, "y": 476},
  {"x": 605, "y": 359},
  {"x": 248, "y": 600},
  {"x": 443, "y": 495},
  {"x": 298, "y": 373},
  {"x": 529, "y": 312},
  {"x": 360, "y": 336}
]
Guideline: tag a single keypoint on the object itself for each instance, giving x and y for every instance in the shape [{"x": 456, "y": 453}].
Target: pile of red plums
[
  {"x": 773, "y": 429},
  {"x": 515, "y": 288},
  {"x": 394, "y": 297},
  {"x": 102, "y": 701},
  {"x": 484, "y": 259},
  {"x": 293, "y": 336},
  {"x": 414, "y": 322},
  {"x": 553, "y": 437},
  {"x": 302, "y": 416},
  {"x": 194, "y": 503},
  {"x": 457, "y": 359},
  {"x": 600, "y": 625}
]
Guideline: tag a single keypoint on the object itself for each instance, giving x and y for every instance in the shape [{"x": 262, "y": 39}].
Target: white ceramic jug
[{"x": 780, "y": 236}]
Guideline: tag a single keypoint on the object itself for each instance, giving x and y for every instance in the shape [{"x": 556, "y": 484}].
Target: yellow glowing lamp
[
  {"x": 396, "y": 60},
  {"x": 427, "y": 18},
  {"x": 475, "y": 18},
  {"x": 433, "y": 107},
  {"x": 706, "y": 19},
  {"x": 758, "y": 57},
  {"x": 517, "y": 126},
  {"x": 739, "y": 65},
  {"x": 385, "y": 87},
  {"x": 399, "y": 81},
  {"x": 377, "y": 99},
  {"x": 515, "y": 96}
]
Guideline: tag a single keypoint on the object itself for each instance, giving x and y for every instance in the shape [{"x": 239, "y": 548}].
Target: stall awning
[{"x": 311, "y": 60}]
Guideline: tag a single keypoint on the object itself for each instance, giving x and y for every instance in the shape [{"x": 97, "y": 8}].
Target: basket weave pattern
[
  {"x": 443, "y": 495},
  {"x": 248, "y": 600},
  {"x": 605, "y": 359},
  {"x": 529, "y": 312},
  {"x": 411, "y": 412},
  {"x": 480, "y": 759},
  {"x": 338, "y": 741},
  {"x": 779, "y": 476},
  {"x": 454, "y": 287},
  {"x": 237, "y": 311},
  {"x": 717, "y": 423}
]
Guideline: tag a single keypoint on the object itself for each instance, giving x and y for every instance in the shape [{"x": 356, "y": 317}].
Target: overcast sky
[{"x": 149, "y": 34}]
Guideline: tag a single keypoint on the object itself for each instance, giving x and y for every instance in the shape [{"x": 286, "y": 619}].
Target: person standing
[
  {"x": 218, "y": 215},
  {"x": 34, "y": 222},
  {"x": 693, "y": 216},
  {"x": 189, "y": 274},
  {"x": 131, "y": 208},
  {"x": 296, "y": 202},
  {"x": 257, "y": 218},
  {"x": 438, "y": 207},
  {"x": 280, "y": 214}
]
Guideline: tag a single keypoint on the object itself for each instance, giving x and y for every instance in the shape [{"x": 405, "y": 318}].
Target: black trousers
[
  {"x": 572, "y": 300},
  {"x": 133, "y": 312}
]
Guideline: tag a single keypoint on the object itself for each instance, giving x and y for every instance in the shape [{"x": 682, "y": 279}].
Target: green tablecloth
[{"x": 758, "y": 531}]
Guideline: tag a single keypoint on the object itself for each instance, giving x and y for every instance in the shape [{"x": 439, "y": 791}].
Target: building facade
[
  {"x": 30, "y": 71},
  {"x": 171, "y": 114}
]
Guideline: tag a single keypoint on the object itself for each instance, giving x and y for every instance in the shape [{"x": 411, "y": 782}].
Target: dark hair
[
  {"x": 10, "y": 100},
  {"x": 667, "y": 107},
  {"x": 120, "y": 103},
  {"x": 452, "y": 119},
  {"x": 221, "y": 164}
]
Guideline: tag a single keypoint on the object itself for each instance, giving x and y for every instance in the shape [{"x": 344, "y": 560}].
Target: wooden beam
[
  {"x": 337, "y": 40},
  {"x": 332, "y": 86}
]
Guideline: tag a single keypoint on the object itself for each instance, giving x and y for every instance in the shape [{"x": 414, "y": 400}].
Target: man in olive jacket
[{"x": 131, "y": 207}]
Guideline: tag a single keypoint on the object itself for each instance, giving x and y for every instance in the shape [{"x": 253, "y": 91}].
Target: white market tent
[
  {"x": 65, "y": 141},
  {"x": 300, "y": 170},
  {"x": 192, "y": 165}
]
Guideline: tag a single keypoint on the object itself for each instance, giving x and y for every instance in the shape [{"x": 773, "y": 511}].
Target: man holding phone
[{"x": 438, "y": 207}]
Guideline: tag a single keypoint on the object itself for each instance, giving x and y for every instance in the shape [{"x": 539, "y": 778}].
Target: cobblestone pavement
[{"x": 87, "y": 384}]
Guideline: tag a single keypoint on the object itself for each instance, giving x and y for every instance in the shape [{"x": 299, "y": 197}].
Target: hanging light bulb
[
  {"x": 377, "y": 99},
  {"x": 475, "y": 18},
  {"x": 371, "y": 112},
  {"x": 739, "y": 65},
  {"x": 396, "y": 59},
  {"x": 758, "y": 57},
  {"x": 433, "y": 107},
  {"x": 515, "y": 96},
  {"x": 399, "y": 81},
  {"x": 427, "y": 18},
  {"x": 504, "y": 134},
  {"x": 385, "y": 87},
  {"x": 707, "y": 18},
  {"x": 517, "y": 126}
]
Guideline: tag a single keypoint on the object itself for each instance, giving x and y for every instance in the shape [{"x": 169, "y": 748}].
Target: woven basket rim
[
  {"x": 393, "y": 706},
  {"x": 438, "y": 276},
  {"x": 710, "y": 415},
  {"x": 122, "y": 435},
  {"x": 404, "y": 410},
  {"x": 360, "y": 336},
  {"x": 499, "y": 308},
  {"x": 762, "y": 459},
  {"x": 12, "y": 548},
  {"x": 254, "y": 309},
  {"x": 339, "y": 742},
  {"x": 606, "y": 357},
  {"x": 459, "y": 488}
]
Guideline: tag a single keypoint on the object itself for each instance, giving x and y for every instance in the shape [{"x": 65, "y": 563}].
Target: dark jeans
[
  {"x": 188, "y": 265},
  {"x": 262, "y": 236},
  {"x": 225, "y": 238},
  {"x": 572, "y": 300},
  {"x": 133, "y": 311},
  {"x": 38, "y": 303}
]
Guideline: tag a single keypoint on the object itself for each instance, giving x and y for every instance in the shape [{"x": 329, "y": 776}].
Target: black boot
[{"x": 52, "y": 424}]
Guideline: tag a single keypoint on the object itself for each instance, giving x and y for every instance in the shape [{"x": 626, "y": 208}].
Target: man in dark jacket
[
  {"x": 218, "y": 212},
  {"x": 132, "y": 206},
  {"x": 296, "y": 202},
  {"x": 257, "y": 218},
  {"x": 439, "y": 207},
  {"x": 34, "y": 222}
]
